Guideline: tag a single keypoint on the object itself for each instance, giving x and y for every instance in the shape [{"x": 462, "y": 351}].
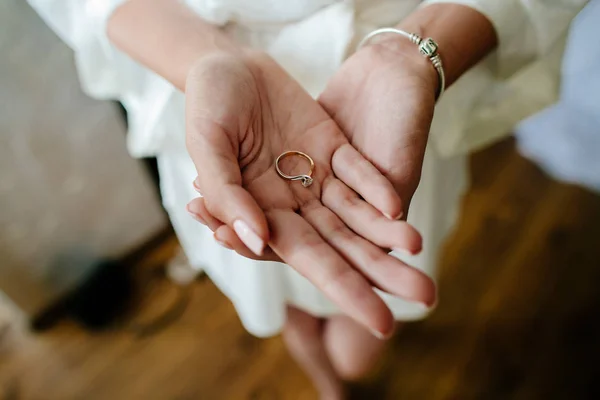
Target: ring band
[{"x": 306, "y": 179}]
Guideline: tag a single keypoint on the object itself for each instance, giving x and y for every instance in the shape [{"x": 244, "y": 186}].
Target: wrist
[
  {"x": 401, "y": 51},
  {"x": 227, "y": 63},
  {"x": 203, "y": 61},
  {"x": 165, "y": 36},
  {"x": 464, "y": 35},
  {"x": 393, "y": 51}
]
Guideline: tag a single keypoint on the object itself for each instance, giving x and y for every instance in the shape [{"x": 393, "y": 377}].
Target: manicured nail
[
  {"x": 250, "y": 239},
  {"x": 378, "y": 335},
  {"x": 392, "y": 218},
  {"x": 406, "y": 252},
  {"x": 382, "y": 336},
  {"x": 195, "y": 215},
  {"x": 196, "y": 187},
  {"x": 222, "y": 243},
  {"x": 434, "y": 302}
]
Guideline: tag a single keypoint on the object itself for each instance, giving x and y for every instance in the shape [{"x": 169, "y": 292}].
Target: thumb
[{"x": 215, "y": 155}]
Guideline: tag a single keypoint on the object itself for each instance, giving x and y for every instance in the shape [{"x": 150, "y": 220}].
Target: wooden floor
[{"x": 518, "y": 319}]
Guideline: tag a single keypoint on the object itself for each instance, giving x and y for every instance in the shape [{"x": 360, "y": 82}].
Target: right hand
[{"x": 242, "y": 112}]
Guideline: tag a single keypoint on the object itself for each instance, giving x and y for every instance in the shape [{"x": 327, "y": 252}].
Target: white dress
[{"x": 310, "y": 39}]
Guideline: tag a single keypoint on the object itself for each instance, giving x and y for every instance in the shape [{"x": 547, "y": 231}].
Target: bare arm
[
  {"x": 238, "y": 121},
  {"x": 165, "y": 36},
  {"x": 464, "y": 35},
  {"x": 383, "y": 96}
]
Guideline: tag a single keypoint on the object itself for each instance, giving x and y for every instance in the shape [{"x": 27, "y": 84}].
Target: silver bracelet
[{"x": 428, "y": 47}]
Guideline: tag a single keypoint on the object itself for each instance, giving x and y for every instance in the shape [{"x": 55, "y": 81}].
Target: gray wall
[{"x": 69, "y": 192}]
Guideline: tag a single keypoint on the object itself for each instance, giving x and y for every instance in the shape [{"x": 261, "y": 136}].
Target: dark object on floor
[
  {"x": 98, "y": 302},
  {"x": 103, "y": 297}
]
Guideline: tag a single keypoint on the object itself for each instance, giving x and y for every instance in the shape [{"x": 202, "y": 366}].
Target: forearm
[
  {"x": 464, "y": 36},
  {"x": 165, "y": 36}
]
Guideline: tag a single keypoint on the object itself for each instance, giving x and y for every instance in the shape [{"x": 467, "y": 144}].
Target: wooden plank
[{"x": 517, "y": 318}]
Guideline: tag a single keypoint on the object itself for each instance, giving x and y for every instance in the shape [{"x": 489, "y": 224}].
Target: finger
[
  {"x": 223, "y": 234},
  {"x": 362, "y": 176},
  {"x": 367, "y": 222},
  {"x": 296, "y": 242},
  {"x": 219, "y": 180},
  {"x": 197, "y": 208},
  {"x": 386, "y": 272},
  {"x": 227, "y": 238}
]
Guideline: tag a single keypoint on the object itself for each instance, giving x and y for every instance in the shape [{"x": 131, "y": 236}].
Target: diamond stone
[{"x": 307, "y": 181}]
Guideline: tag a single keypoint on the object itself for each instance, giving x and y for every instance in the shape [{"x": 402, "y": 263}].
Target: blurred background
[{"x": 96, "y": 301}]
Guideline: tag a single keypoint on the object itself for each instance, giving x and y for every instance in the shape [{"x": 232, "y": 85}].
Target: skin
[
  {"x": 367, "y": 134},
  {"x": 383, "y": 97},
  {"x": 239, "y": 121},
  {"x": 242, "y": 111}
]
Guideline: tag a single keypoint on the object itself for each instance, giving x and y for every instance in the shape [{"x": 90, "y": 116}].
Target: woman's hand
[
  {"x": 383, "y": 99},
  {"x": 242, "y": 113},
  {"x": 383, "y": 96}
]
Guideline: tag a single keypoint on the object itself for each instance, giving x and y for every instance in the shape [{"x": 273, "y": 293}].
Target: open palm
[
  {"x": 242, "y": 113},
  {"x": 383, "y": 99}
]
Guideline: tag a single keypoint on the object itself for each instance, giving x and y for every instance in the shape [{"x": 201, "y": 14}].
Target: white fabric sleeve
[
  {"x": 105, "y": 73},
  {"x": 526, "y": 29},
  {"x": 518, "y": 79},
  {"x": 81, "y": 24}
]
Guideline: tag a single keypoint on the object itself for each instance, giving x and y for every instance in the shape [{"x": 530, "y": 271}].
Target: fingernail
[
  {"x": 382, "y": 336},
  {"x": 406, "y": 252},
  {"x": 222, "y": 243},
  {"x": 250, "y": 239},
  {"x": 392, "y": 218},
  {"x": 195, "y": 184},
  {"x": 434, "y": 302},
  {"x": 195, "y": 215}
]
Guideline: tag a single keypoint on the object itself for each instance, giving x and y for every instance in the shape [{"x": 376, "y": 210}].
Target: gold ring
[{"x": 307, "y": 180}]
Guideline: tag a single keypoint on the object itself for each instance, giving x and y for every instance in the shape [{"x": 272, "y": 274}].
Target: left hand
[{"x": 383, "y": 99}]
